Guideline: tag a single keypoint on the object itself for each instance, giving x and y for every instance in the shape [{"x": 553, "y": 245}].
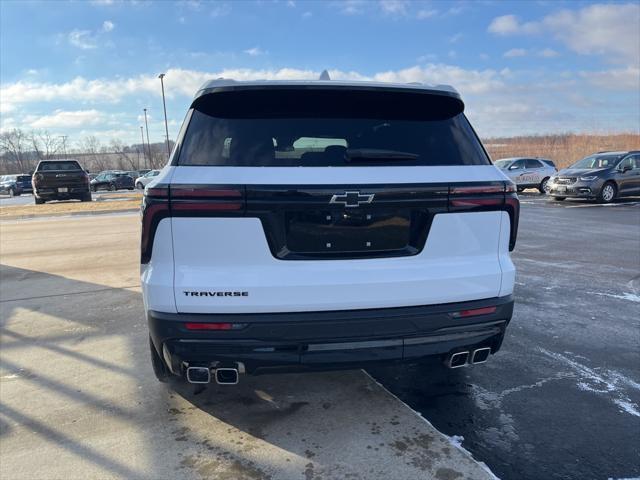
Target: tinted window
[
  {"x": 517, "y": 165},
  {"x": 597, "y": 161},
  {"x": 533, "y": 163},
  {"x": 67, "y": 165},
  {"x": 24, "y": 178},
  {"x": 280, "y": 128}
]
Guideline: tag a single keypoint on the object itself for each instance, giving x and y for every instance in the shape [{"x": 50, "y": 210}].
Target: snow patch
[
  {"x": 632, "y": 297},
  {"x": 609, "y": 382}
]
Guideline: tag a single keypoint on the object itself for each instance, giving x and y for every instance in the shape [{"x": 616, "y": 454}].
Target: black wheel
[
  {"x": 544, "y": 186},
  {"x": 39, "y": 201},
  {"x": 159, "y": 368},
  {"x": 112, "y": 187},
  {"x": 12, "y": 192},
  {"x": 520, "y": 189},
  {"x": 86, "y": 197},
  {"x": 94, "y": 188},
  {"x": 130, "y": 188},
  {"x": 559, "y": 199},
  {"x": 607, "y": 193},
  {"x": 139, "y": 186}
]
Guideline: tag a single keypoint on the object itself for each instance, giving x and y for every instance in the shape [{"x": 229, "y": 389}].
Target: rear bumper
[
  {"x": 53, "y": 194},
  {"x": 328, "y": 340}
]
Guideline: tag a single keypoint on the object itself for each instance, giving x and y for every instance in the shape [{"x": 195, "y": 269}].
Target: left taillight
[{"x": 162, "y": 201}]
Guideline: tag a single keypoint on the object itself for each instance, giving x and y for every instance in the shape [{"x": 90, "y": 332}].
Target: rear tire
[
  {"x": 559, "y": 199},
  {"x": 607, "y": 193},
  {"x": 38, "y": 200},
  {"x": 86, "y": 197},
  {"x": 112, "y": 187},
  {"x": 12, "y": 192},
  {"x": 544, "y": 186},
  {"x": 160, "y": 370}
]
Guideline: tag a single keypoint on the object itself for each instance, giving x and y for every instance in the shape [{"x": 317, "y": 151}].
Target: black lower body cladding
[{"x": 268, "y": 342}]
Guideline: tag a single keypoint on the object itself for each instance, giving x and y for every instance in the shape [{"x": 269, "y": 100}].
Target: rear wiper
[{"x": 356, "y": 154}]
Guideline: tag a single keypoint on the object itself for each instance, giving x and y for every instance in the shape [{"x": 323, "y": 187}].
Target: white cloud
[
  {"x": 426, "y": 13},
  {"x": 351, "y": 7},
  {"x": 107, "y": 26},
  {"x": 307, "y": 14},
  {"x": 394, "y": 7},
  {"x": 515, "y": 52},
  {"x": 82, "y": 39},
  {"x": 66, "y": 119},
  {"x": 220, "y": 10},
  {"x": 611, "y": 30},
  {"x": 455, "y": 38},
  {"x": 254, "y": 52},
  {"x": 510, "y": 24},
  {"x": 547, "y": 53},
  {"x": 616, "y": 79},
  {"x": 103, "y": 2}
]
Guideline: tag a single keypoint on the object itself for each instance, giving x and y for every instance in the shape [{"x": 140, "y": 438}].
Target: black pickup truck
[{"x": 60, "y": 180}]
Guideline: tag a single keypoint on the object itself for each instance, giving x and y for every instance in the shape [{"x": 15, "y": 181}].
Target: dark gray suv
[{"x": 604, "y": 176}]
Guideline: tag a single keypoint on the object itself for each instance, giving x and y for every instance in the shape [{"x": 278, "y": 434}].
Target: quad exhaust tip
[
  {"x": 222, "y": 376},
  {"x": 480, "y": 355},
  {"x": 198, "y": 375},
  {"x": 458, "y": 359},
  {"x": 226, "y": 376},
  {"x": 474, "y": 357}
]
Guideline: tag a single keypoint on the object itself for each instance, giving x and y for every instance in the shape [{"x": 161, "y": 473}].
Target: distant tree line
[{"x": 21, "y": 151}]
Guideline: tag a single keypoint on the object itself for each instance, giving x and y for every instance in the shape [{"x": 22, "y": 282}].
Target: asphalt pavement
[
  {"x": 561, "y": 400},
  {"x": 78, "y": 399}
]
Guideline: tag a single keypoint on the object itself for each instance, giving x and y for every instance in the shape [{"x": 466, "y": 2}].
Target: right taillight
[
  {"x": 37, "y": 178},
  {"x": 162, "y": 201}
]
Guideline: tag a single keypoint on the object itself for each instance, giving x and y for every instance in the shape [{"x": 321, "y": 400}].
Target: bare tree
[
  {"x": 44, "y": 144},
  {"x": 126, "y": 159},
  {"x": 13, "y": 149}
]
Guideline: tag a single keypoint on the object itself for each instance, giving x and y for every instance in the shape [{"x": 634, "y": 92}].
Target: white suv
[{"x": 310, "y": 225}]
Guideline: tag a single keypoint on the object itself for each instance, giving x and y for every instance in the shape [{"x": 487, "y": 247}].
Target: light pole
[
  {"x": 164, "y": 105},
  {"x": 148, "y": 144},
  {"x": 144, "y": 154}
]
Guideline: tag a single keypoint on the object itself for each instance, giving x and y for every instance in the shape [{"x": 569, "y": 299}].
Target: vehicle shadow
[{"x": 79, "y": 345}]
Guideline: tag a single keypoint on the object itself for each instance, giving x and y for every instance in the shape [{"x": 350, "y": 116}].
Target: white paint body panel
[{"x": 465, "y": 257}]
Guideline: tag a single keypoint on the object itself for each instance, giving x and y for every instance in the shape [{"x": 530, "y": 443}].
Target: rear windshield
[
  {"x": 66, "y": 165},
  {"x": 24, "y": 178},
  {"x": 329, "y": 128}
]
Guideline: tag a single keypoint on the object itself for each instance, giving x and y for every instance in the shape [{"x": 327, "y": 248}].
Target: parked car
[
  {"x": 142, "y": 181},
  {"x": 112, "y": 181},
  {"x": 60, "y": 180},
  {"x": 325, "y": 224},
  {"x": 528, "y": 172},
  {"x": 604, "y": 176},
  {"x": 15, "y": 184},
  {"x": 143, "y": 171}
]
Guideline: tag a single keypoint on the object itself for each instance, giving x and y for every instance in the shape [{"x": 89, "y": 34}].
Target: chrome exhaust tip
[
  {"x": 480, "y": 355},
  {"x": 226, "y": 376},
  {"x": 458, "y": 359},
  {"x": 198, "y": 375}
]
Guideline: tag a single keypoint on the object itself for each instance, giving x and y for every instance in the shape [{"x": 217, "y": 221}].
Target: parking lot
[
  {"x": 27, "y": 198},
  {"x": 560, "y": 400}
]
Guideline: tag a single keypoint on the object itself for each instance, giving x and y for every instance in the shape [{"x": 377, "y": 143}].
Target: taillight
[
  {"x": 37, "y": 178},
  {"x": 474, "y": 312},
  {"x": 214, "y": 326},
  {"x": 162, "y": 201},
  {"x": 487, "y": 197}
]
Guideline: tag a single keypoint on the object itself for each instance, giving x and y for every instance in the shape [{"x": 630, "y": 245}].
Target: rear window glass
[
  {"x": 329, "y": 128},
  {"x": 67, "y": 165},
  {"x": 24, "y": 178}
]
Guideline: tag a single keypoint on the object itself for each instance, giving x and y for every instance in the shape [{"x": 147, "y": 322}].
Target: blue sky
[{"x": 84, "y": 68}]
